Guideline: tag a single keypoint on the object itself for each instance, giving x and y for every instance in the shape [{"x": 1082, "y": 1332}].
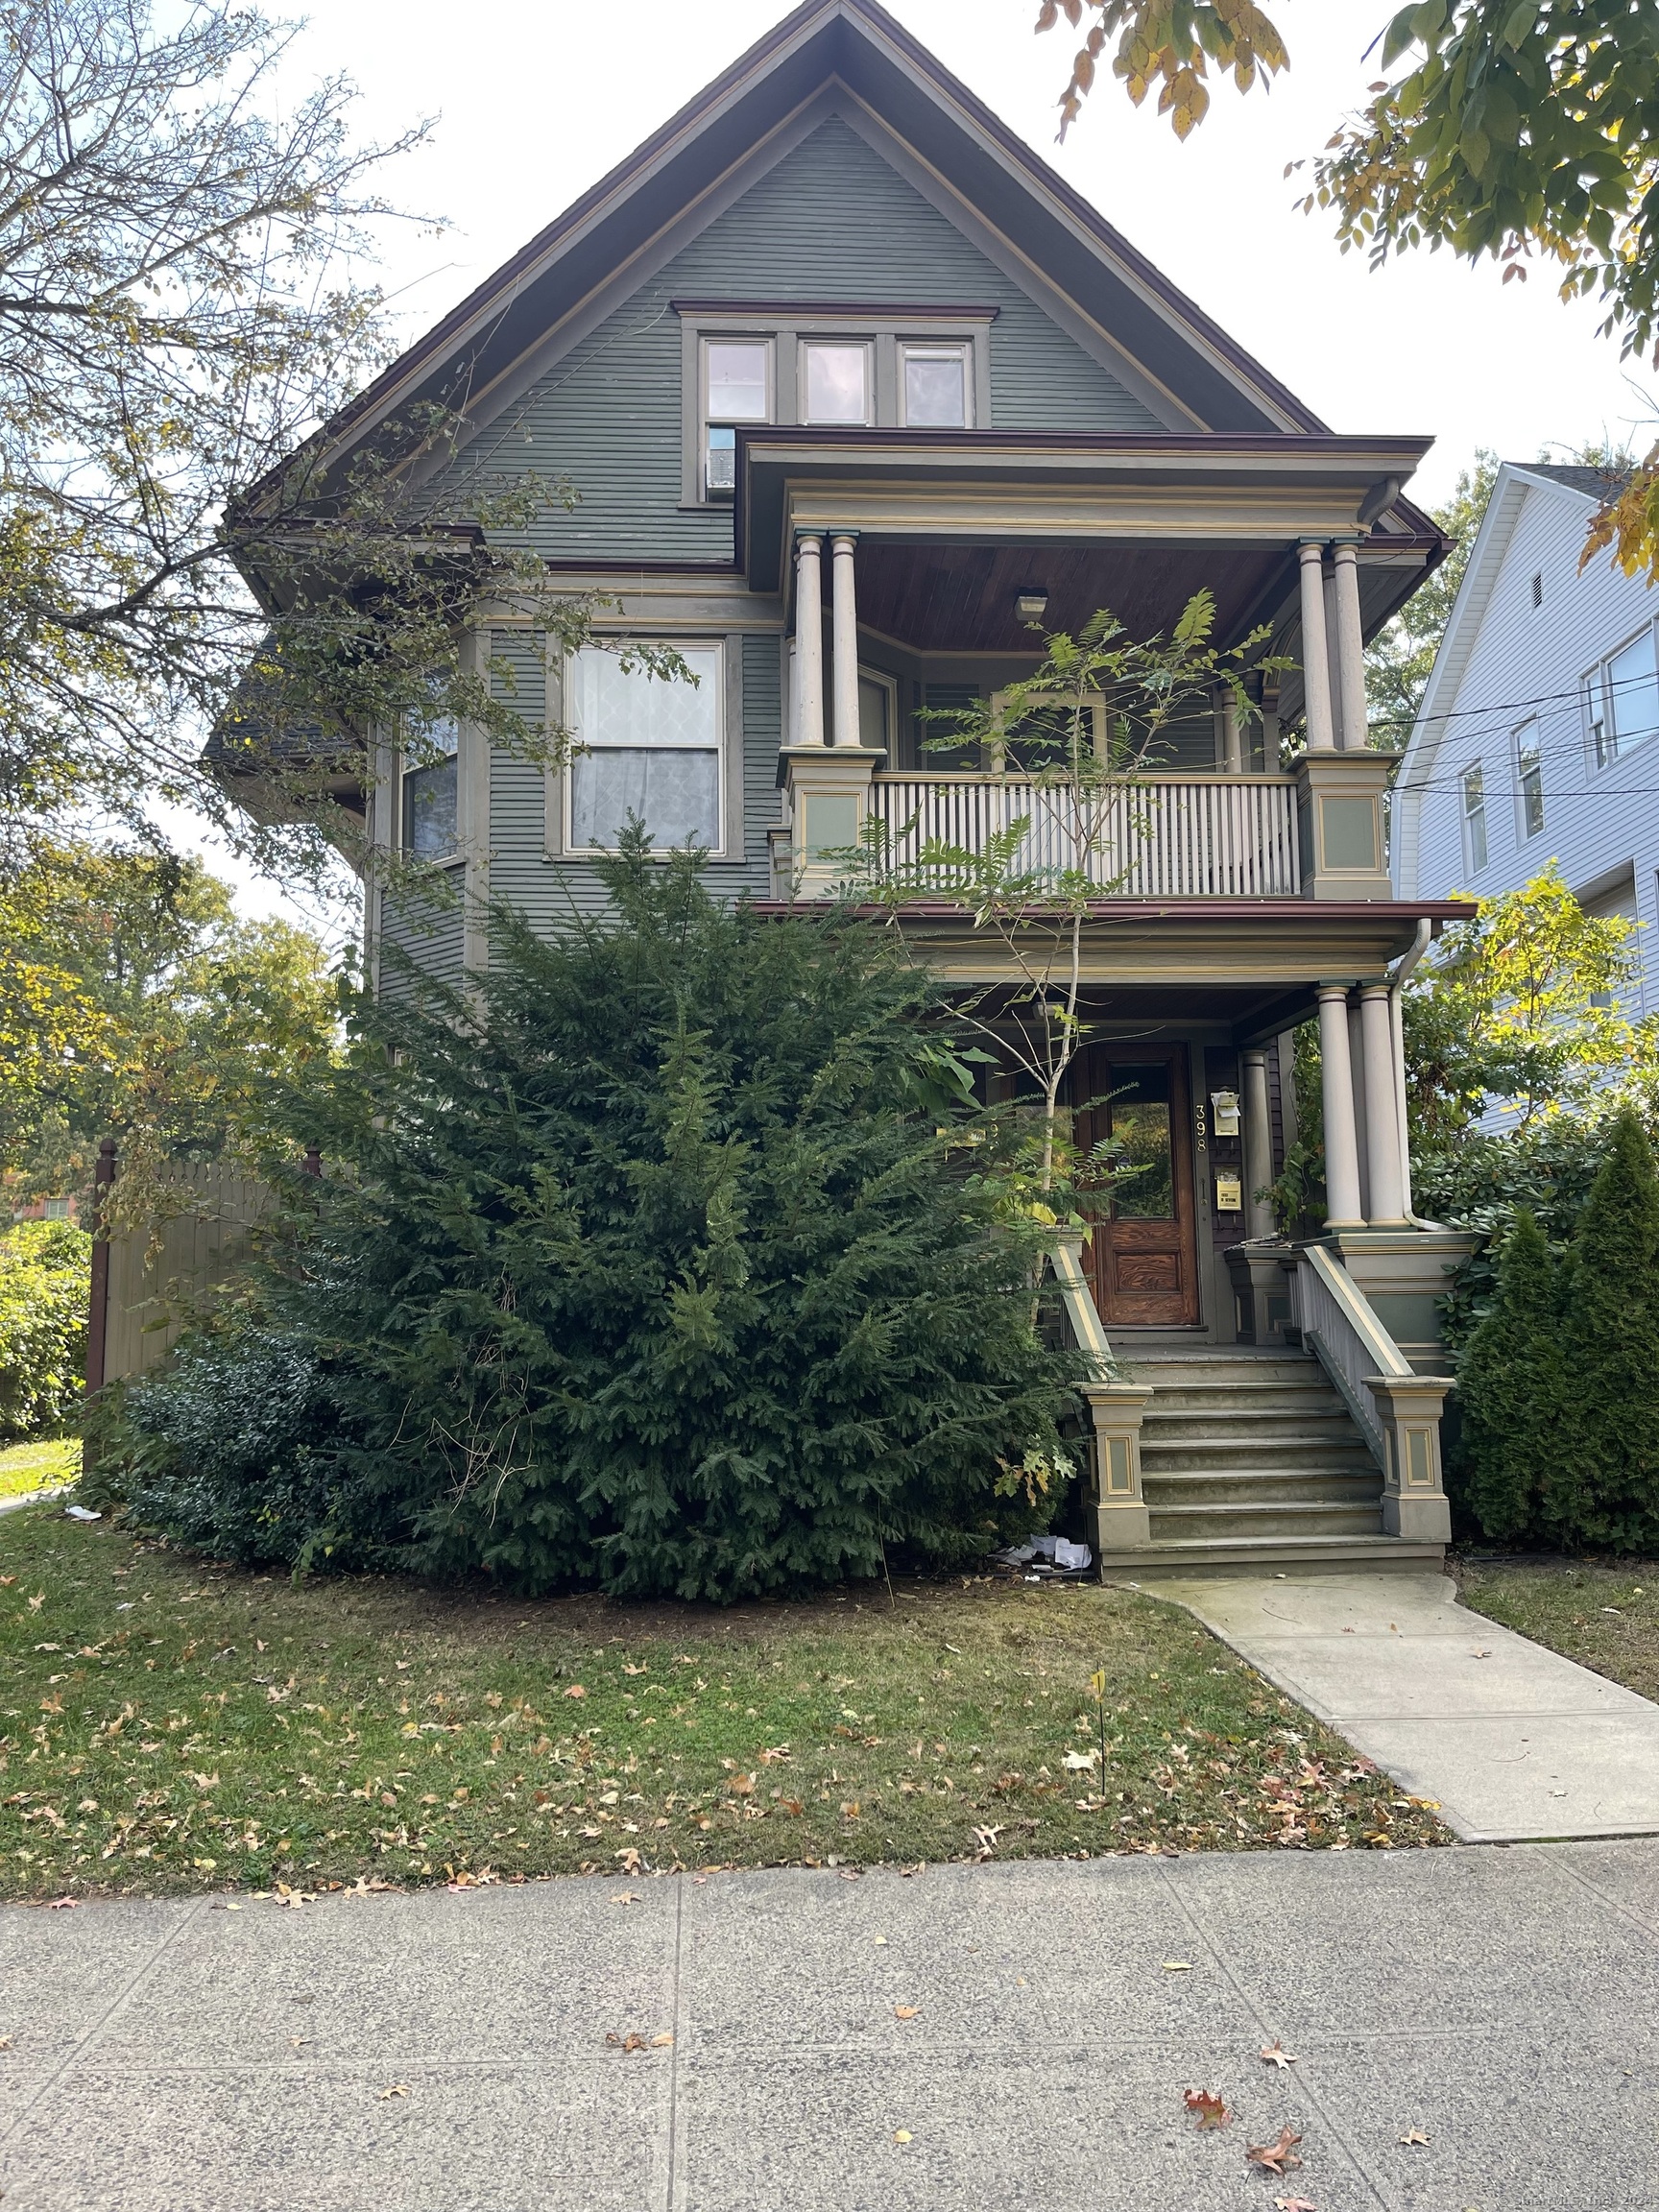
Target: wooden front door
[{"x": 1143, "y": 1255}]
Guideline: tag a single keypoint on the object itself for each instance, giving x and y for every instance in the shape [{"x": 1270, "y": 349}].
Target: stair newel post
[
  {"x": 1116, "y": 1408},
  {"x": 1414, "y": 1502}
]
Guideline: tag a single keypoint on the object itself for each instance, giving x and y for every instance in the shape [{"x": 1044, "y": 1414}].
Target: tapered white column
[
  {"x": 808, "y": 641},
  {"x": 843, "y": 631},
  {"x": 1341, "y": 1153},
  {"x": 1257, "y": 1146},
  {"x": 1351, "y": 650},
  {"x": 1397, "y": 1030},
  {"x": 1386, "y": 1198},
  {"x": 1315, "y": 658}
]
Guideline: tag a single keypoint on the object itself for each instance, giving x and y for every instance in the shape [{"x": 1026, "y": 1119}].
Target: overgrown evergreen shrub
[
  {"x": 1610, "y": 1494},
  {"x": 45, "y": 1269},
  {"x": 1512, "y": 1441},
  {"x": 666, "y": 1261}
]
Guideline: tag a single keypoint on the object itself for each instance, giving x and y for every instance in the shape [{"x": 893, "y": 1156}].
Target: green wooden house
[{"x": 853, "y": 387}]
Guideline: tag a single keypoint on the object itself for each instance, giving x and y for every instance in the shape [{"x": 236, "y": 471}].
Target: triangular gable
[{"x": 850, "y": 58}]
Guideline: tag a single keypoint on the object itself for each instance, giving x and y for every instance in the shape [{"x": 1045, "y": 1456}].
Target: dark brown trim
[
  {"x": 1307, "y": 914},
  {"x": 98, "y": 1301},
  {"x": 873, "y": 310}
]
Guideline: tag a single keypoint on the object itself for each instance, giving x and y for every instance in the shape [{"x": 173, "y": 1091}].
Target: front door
[{"x": 1143, "y": 1256}]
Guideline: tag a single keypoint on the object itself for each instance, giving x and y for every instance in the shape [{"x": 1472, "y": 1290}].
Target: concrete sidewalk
[
  {"x": 1514, "y": 1743},
  {"x": 434, "y": 2052}
]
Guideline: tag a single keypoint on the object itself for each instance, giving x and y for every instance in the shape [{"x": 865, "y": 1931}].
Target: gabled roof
[{"x": 1199, "y": 377}]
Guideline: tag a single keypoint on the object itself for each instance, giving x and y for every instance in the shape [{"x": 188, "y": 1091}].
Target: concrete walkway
[
  {"x": 974, "y": 2038},
  {"x": 1513, "y": 1741}
]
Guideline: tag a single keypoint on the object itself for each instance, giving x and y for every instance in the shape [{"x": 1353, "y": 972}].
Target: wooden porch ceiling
[{"x": 950, "y": 597}]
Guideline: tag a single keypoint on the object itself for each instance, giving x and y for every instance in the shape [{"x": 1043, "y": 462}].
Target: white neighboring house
[{"x": 1536, "y": 740}]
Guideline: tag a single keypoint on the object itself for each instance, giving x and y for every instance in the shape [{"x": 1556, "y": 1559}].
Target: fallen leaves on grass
[
  {"x": 1275, "y": 2158},
  {"x": 986, "y": 1840},
  {"x": 575, "y": 1690},
  {"x": 1276, "y": 2054},
  {"x": 1208, "y": 2107}
]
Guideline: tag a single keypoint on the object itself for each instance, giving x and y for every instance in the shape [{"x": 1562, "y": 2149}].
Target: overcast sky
[{"x": 536, "y": 99}]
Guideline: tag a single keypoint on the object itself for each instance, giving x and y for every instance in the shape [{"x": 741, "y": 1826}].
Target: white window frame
[
  {"x": 1527, "y": 744},
  {"x": 728, "y": 717},
  {"x": 1598, "y": 685},
  {"x": 706, "y": 339},
  {"x": 1472, "y": 785},
  {"x": 936, "y": 348},
  {"x": 844, "y": 342}
]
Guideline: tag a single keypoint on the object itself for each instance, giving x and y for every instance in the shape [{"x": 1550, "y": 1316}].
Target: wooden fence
[{"x": 147, "y": 1281}]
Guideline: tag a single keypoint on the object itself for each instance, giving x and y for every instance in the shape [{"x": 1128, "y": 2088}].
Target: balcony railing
[{"x": 1163, "y": 837}]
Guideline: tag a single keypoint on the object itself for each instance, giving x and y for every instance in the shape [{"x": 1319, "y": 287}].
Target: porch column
[
  {"x": 1357, "y": 1082},
  {"x": 1257, "y": 1146},
  {"x": 844, "y": 633},
  {"x": 1402, "y": 1120},
  {"x": 1232, "y": 755},
  {"x": 808, "y": 641},
  {"x": 1386, "y": 1209},
  {"x": 1316, "y": 659},
  {"x": 1351, "y": 648},
  {"x": 1341, "y": 1153}
]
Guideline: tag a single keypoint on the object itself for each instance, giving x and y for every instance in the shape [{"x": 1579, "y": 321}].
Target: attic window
[
  {"x": 736, "y": 388},
  {"x": 1538, "y": 588}
]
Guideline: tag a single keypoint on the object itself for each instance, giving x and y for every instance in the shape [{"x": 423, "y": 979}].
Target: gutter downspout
[{"x": 1396, "y": 1020}]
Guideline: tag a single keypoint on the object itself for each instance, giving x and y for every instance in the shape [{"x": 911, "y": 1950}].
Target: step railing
[
  {"x": 1156, "y": 837},
  {"x": 1397, "y": 1410}
]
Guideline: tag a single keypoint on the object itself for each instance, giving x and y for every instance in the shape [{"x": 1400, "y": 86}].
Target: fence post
[{"x": 98, "y": 1303}]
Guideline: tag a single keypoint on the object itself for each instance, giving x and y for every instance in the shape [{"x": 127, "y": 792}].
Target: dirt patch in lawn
[
  {"x": 1605, "y": 1616},
  {"x": 173, "y": 1725}
]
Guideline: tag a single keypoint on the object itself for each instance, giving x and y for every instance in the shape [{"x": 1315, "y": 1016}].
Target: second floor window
[
  {"x": 1622, "y": 700},
  {"x": 1529, "y": 779},
  {"x": 430, "y": 792},
  {"x": 1474, "y": 819},
  {"x": 651, "y": 747}
]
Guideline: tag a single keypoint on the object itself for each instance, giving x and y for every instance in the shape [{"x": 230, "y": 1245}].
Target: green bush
[
  {"x": 45, "y": 1274},
  {"x": 1511, "y": 1440},
  {"x": 1610, "y": 1486},
  {"x": 659, "y": 1264}
]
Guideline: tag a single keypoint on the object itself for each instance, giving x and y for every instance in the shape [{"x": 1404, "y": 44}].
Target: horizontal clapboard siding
[{"x": 831, "y": 220}]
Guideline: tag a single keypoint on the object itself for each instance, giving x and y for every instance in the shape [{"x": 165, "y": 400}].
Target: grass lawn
[
  {"x": 27, "y": 1467},
  {"x": 1607, "y": 1618},
  {"x": 173, "y": 1725}
]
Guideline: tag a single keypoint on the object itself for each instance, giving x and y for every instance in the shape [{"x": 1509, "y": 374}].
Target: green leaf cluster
[
  {"x": 46, "y": 1272},
  {"x": 659, "y": 1260}
]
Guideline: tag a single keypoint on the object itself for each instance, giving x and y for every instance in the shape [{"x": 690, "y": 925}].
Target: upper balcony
[{"x": 914, "y": 565}]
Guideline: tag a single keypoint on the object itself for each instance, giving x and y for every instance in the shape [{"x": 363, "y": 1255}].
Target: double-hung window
[
  {"x": 1529, "y": 779},
  {"x": 1474, "y": 819},
  {"x": 737, "y": 375},
  {"x": 1621, "y": 699},
  {"x": 431, "y": 789},
  {"x": 645, "y": 746}
]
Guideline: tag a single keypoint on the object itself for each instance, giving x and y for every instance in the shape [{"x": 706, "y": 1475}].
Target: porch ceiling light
[{"x": 1031, "y": 605}]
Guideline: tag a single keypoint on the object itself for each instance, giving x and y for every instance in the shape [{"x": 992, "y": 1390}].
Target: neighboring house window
[
  {"x": 1529, "y": 776},
  {"x": 429, "y": 793},
  {"x": 651, "y": 746},
  {"x": 936, "y": 387},
  {"x": 1474, "y": 819},
  {"x": 57, "y": 1209},
  {"x": 1622, "y": 700},
  {"x": 835, "y": 381},
  {"x": 736, "y": 388}
]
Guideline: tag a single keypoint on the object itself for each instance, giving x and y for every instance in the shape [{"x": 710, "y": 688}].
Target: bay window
[{"x": 430, "y": 791}]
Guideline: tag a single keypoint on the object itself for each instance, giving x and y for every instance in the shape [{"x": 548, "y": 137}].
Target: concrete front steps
[{"x": 1250, "y": 1461}]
